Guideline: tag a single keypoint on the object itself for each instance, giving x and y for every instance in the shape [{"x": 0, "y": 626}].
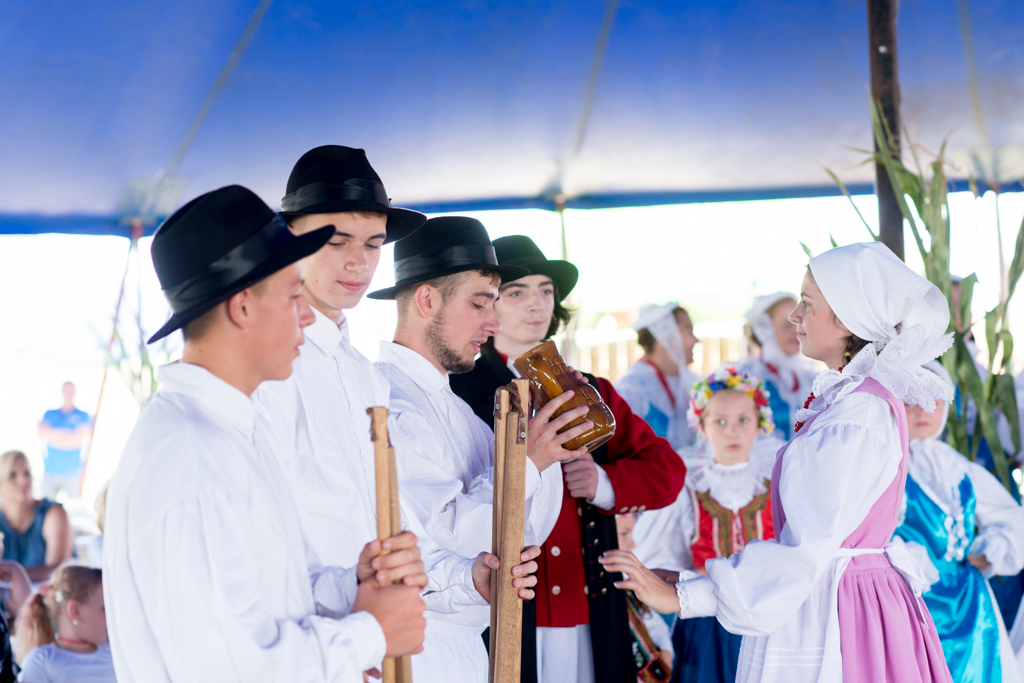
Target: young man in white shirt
[
  {"x": 207, "y": 572},
  {"x": 317, "y": 418},
  {"x": 447, "y": 280}
]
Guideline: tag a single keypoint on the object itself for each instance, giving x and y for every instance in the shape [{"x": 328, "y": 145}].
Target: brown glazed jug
[{"x": 549, "y": 377}]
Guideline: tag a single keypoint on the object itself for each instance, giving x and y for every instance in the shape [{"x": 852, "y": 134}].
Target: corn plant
[{"x": 927, "y": 213}]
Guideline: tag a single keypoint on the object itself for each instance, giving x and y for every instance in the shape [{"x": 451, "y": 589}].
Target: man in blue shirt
[{"x": 64, "y": 430}]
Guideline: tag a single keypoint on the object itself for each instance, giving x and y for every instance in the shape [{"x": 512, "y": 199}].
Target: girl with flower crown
[
  {"x": 963, "y": 527},
  {"x": 725, "y": 505},
  {"x": 832, "y": 599}
]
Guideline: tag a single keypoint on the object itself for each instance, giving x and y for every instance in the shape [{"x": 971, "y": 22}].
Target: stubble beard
[{"x": 447, "y": 357}]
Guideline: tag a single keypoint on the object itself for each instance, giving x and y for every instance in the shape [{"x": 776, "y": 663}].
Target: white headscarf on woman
[
  {"x": 903, "y": 316},
  {"x": 660, "y": 321},
  {"x": 764, "y": 330}
]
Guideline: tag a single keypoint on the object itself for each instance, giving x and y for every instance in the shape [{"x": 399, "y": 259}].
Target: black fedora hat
[
  {"x": 445, "y": 246},
  {"x": 332, "y": 179},
  {"x": 520, "y": 250},
  {"x": 217, "y": 245}
]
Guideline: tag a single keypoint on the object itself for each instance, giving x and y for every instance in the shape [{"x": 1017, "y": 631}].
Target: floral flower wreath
[{"x": 730, "y": 378}]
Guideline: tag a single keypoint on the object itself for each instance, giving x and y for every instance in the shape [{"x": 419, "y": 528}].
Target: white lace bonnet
[
  {"x": 905, "y": 317},
  {"x": 660, "y": 321}
]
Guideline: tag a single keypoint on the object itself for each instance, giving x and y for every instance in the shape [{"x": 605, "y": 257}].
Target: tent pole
[
  {"x": 569, "y": 341},
  {"x": 885, "y": 89},
  {"x": 136, "y": 234}
]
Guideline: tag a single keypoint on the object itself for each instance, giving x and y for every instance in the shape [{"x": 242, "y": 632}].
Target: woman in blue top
[
  {"x": 963, "y": 527},
  {"x": 37, "y": 533}
]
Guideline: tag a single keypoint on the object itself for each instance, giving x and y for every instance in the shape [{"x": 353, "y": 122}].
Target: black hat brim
[
  {"x": 564, "y": 274},
  {"x": 507, "y": 273},
  {"x": 296, "y": 249},
  {"x": 401, "y": 222}
]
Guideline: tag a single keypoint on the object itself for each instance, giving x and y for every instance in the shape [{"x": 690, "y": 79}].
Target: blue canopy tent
[{"x": 122, "y": 109}]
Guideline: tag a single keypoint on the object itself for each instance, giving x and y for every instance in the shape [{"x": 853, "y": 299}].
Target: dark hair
[
  {"x": 560, "y": 317},
  {"x": 446, "y": 285},
  {"x": 646, "y": 340},
  {"x": 853, "y": 346}
]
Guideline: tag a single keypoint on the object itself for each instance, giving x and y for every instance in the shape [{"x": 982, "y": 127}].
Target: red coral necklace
[{"x": 807, "y": 404}]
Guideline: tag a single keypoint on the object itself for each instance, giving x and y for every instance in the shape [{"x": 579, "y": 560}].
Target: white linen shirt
[
  {"x": 207, "y": 573},
  {"x": 446, "y": 473},
  {"x": 316, "y": 423}
]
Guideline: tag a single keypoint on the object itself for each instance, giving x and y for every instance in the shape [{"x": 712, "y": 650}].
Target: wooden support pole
[
  {"x": 506, "y": 605},
  {"x": 389, "y": 517},
  {"x": 885, "y": 89},
  {"x": 501, "y": 406}
]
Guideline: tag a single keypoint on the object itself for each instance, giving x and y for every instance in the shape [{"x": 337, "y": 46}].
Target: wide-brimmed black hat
[
  {"x": 520, "y": 250},
  {"x": 332, "y": 179},
  {"x": 217, "y": 245},
  {"x": 445, "y": 246}
]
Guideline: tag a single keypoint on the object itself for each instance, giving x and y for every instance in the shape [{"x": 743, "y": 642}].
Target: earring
[
  {"x": 74, "y": 622},
  {"x": 847, "y": 355}
]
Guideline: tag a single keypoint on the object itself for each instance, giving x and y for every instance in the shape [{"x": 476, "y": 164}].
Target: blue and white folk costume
[
  {"x": 662, "y": 401},
  {"x": 788, "y": 379},
  {"x": 954, "y": 508}
]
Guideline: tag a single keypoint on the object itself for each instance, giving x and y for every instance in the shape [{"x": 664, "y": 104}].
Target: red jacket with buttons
[{"x": 646, "y": 474}]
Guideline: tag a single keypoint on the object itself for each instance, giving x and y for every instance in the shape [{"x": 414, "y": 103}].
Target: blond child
[{"x": 64, "y": 629}]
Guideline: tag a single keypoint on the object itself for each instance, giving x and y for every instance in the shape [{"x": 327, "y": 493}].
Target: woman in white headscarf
[
  {"x": 963, "y": 527},
  {"x": 832, "y": 600},
  {"x": 657, "y": 388},
  {"x": 786, "y": 373}
]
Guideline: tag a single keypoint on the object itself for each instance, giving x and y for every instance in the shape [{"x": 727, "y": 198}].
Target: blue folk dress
[{"x": 954, "y": 508}]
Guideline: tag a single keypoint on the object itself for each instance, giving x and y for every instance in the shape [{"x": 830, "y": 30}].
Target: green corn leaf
[
  {"x": 832, "y": 241},
  {"x": 968, "y": 378},
  {"x": 966, "y": 297},
  {"x": 807, "y": 250},
  {"x": 846, "y": 193},
  {"x": 1016, "y": 264},
  {"x": 1005, "y": 340},
  {"x": 1004, "y": 399},
  {"x": 991, "y": 320}
]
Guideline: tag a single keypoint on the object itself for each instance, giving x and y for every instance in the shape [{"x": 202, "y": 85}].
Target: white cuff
[
  {"x": 994, "y": 548},
  {"x": 334, "y": 591},
  {"x": 696, "y": 598},
  {"x": 371, "y": 646},
  {"x": 604, "y": 498},
  {"x": 533, "y": 478}
]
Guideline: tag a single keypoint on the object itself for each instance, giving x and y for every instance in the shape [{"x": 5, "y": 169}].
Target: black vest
[{"x": 609, "y": 617}]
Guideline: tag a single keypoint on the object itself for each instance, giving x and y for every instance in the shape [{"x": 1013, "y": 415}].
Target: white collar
[
  {"x": 732, "y": 486},
  {"x": 419, "y": 369},
  {"x": 326, "y": 334},
  {"x": 213, "y": 394}
]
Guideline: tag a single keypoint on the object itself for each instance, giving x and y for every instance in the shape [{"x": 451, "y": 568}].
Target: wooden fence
[{"x": 611, "y": 360}]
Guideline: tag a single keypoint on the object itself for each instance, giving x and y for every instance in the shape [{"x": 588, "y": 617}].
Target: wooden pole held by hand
[
  {"x": 389, "y": 517},
  {"x": 512, "y": 406}
]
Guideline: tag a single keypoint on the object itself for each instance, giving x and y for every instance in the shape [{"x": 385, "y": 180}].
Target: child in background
[
  {"x": 656, "y": 628},
  {"x": 963, "y": 527},
  {"x": 78, "y": 649},
  {"x": 725, "y": 505}
]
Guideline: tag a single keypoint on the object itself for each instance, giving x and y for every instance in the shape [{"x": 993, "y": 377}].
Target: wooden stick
[
  {"x": 505, "y": 600},
  {"x": 501, "y": 402},
  {"x": 389, "y": 517},
  {"x": 403, "y": 664}
]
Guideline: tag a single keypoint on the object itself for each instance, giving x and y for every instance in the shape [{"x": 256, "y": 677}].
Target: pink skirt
[{"x": 883, "y": 637}]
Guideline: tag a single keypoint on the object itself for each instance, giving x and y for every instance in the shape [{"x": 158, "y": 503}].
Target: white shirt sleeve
[
  {"x": 604, "y": 497},
  {"x": 831, "y": 476},
  {"x": 217, "y": 622},
  {"x": 458, "y": 516},
  {"x": 1000, "y": 523}
]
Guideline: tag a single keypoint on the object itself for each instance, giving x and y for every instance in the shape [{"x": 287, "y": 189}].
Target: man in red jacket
[{"x": 579, "y": 629}]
